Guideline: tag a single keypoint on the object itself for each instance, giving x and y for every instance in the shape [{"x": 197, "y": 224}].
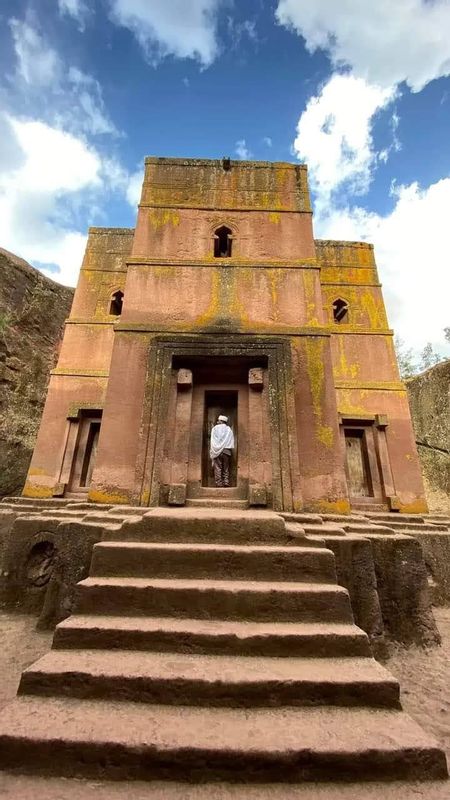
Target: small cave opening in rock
[{"x": 40, "y": 563}]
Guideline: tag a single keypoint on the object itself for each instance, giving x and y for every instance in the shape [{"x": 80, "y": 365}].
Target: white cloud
[
  {"x": 242, "y": 150},
  {"x": 88, "y": 94},
  {"x": 334, "y": 134},
  {"x": 134, "y": 187},
  {"x": 383, "y": 42},
  {"x": 72, "y": 98},
  {"x": 410, "y": 249},
  {"x": 267, "y": 141},
  {"x": 181, "y": 28},
  {"x": 37, "y": 63},
  {"x": 75, "y": 9},
  {"x": 239, "y": 31},
  {"x": 36, "y": 194}
]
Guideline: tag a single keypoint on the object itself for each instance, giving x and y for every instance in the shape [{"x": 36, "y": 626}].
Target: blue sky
[{"x": 361, "y": 94}]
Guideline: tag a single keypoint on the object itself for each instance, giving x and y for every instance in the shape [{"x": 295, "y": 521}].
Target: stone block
[
  {"x": 257, "y": 495},
  {"x": 184, "y": 379},
  {"x": 393, "y": 503},
  {"x": 177, "y": 494},
  {"x": 256, "y": 379}
]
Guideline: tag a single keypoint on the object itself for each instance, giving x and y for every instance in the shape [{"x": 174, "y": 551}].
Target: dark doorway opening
[
  {"x": 85, "y": 452},
  {"x": 90, "y": 454},
  {"x": 219, "y": 402},
  {"x": 357, "y": 463}
]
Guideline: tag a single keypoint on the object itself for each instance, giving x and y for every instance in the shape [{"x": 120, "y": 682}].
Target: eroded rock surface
[
  {"x": 429, "y": 399},
  {"x": 32, "y": 313}
]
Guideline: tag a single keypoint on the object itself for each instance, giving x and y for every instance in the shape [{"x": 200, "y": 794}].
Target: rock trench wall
[
  {"x": 32, "y": 313},
  {"x": 429, "y": 399}
]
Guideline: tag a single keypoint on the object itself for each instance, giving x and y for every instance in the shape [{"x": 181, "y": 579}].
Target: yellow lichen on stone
[
  {"x": 374, "y": 308},
  {"x": 341, "y": 506},
  {"x": 37, "y": 491},
  {"x": 98, "y": 496},
  {"x": 159, "y": 217},
  {"x": 342, "y": 369},
  {"x": 416, "y": 507},
  {"x": 314, "y": 350},
  {"x": 274, "y": 217},
  {"x": 309, "y": 286}
]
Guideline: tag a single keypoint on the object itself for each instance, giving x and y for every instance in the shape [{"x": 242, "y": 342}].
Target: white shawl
[{"x": 221, "y": 439}]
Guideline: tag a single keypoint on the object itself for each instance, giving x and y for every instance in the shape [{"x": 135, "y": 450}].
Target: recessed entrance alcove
[
  {"x": 196, "y": 381},
  {"x": 218, "y": 402}
]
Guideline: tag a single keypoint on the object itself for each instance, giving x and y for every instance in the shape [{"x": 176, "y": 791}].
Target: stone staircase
[{"x": 212, "y": 644}]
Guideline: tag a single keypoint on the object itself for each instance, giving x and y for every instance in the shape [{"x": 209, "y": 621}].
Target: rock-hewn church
[{"x": 220, "y": 301}]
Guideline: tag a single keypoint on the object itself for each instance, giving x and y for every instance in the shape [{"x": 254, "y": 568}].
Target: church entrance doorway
[
  {"x": 209, "y": 400},
  {"x": 204, "y": 388},
  {"x": 218, "y": 403},
  {"x": 188, "y": 380}
]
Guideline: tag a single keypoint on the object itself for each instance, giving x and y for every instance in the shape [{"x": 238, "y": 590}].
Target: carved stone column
[
  {"x": 258, "y": 447},
  {"x": 181, "y": 432}
]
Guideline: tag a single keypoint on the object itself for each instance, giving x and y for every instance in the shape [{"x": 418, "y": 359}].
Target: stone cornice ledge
[{"x": 227, "y": 263}]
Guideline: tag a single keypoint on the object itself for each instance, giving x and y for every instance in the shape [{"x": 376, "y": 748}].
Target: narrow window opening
[
  {"x": 116, "y": 304},
  {"x": 340, "y": 310},
  {"x": 222, "y": 242}
]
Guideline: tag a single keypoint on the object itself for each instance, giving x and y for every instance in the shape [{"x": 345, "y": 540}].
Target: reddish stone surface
[{"x": 267, "y": 307}]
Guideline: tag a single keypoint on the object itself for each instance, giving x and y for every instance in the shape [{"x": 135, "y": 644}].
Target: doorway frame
[
  {"x": 205, "y": 461},
  {"x": 284, "y": 443}
]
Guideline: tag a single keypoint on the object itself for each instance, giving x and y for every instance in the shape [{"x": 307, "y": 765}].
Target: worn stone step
[
  {"x": 211, "y": 680},
  {"x": 220, "y": 525},
  {"x": 368, "y": 527},
  {"x": 202, "y": 599},
  {"x": 301, "y": 518},
  {"x": 389, "y": 517},
  {"x": 324, "y": 529},
  {"x": 417, "y": 527},
  {"x": 214, "y": 502},
  {"x": 237, "y": 562},
  {"x": 169, "y": 634},
  {"x": 134, "y": 740}
]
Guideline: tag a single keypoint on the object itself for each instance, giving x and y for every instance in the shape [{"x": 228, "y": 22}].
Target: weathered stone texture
[
  {"x": 429, "y": 399},
  {"x": 32, "y": 312}
]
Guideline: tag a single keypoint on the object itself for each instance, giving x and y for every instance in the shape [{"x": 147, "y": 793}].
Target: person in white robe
[{"x": 221, "y": 446}]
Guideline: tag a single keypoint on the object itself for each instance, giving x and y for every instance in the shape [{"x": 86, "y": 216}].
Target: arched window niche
[
  {"x": 340, "y": 310},
  {"x": 223, "y": 241},
  {"x": 116, "y": 303}
]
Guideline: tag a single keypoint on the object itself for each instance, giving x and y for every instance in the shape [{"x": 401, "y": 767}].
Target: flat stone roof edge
[{"x": 197, "y": 162}]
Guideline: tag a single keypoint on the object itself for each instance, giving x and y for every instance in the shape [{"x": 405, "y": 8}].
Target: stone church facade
[{"x": 221, "y": 301}]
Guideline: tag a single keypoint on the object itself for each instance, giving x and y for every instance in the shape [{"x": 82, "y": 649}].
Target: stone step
[
  {"x": 299, "y": 537},
  {"x": 169, "y": 634},
  {"x": 237, "y": 562},
  {"x": 260, "y": 601},
  {"x": 226, "y": 525},
  {"x": 368, "y": 527},
  {"x": 394, "y": 516},
  {"x": 369, "y": 508},
  {"x": 324, "y": 529},
  {"x": 212, "y": 502},
  {"x": 211, "y": 680},
  {"x": 417, "y": 527},
  {"x": 301, "y": 517},
  {"x": 132, "y": 740}
]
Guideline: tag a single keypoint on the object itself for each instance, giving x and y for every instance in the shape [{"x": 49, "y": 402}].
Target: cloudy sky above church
[{"x": 358, "y": 91}]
